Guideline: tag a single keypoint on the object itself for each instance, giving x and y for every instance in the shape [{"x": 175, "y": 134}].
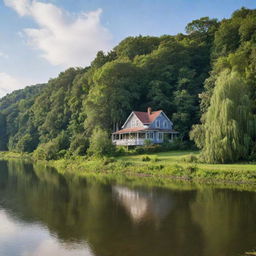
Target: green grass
[
  {"x": 162, "y": 168},
  {"x": 159, "y": 169},
  {"x": 10, "y": 155},
  {"x": 172, "y": 158}
]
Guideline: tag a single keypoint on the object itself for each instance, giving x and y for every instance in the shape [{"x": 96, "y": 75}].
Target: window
[
  {"x": 165, "y": 124},
  {"x": 133, "y": 123},
  {"x": 160, "y": 136},
  {"x": 157, "y": 123},
  {"x": 137, "y": 123},
  {"x": 150, "y": 135}
]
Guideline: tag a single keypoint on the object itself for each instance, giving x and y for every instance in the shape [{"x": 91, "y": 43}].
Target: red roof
[{"x": 147, "y": 118}]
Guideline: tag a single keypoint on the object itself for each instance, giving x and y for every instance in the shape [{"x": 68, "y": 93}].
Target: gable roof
[{"x": 147, "y": 118}]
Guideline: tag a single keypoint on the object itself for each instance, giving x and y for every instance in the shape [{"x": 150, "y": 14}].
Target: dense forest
[{"x": 204, "y": 80}]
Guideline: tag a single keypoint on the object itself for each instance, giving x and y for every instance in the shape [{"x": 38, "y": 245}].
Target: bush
[
  {"x": 108, "y": 160},
  {"x": 100, "y": 144},
  {"x": 79, "y": 144},
  {"x": 54, "y": 149},
  {"x": 27, "y": 143},
  {"x": 46, "y": 151},
  {"x": 148, "y": 142},
  {"x": 190, "y": 159},
  {"x": 178, "y": 145},
  {"x": 148, "y": 149},
  {"x": 191, "y": 169},
  {"x": 121, "y": 151},
  {"x": 139, "y": 150},
  {"x": 156, "y": 167},
  {"x": 146, "y": 159}
]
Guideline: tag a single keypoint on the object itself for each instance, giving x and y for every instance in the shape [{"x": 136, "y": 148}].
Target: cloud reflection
[
  {"x": 34, "y": 240},
  {"x": 142, "y": 205}
]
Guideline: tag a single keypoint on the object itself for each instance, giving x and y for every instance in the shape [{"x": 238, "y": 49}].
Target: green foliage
[
  {"x": 46, "y": 151},
  {"x": 114, "y": 94},
  {"x": 26, "y": 143},
  {"x": 100, "y": 144},
  {"x": 227, "y": 132},
  {"x": 229, "y": 122},
  {"x": 58, "y": 119},
  {"x": 146, "y": 159},
  {"x": 3, "y": 133},
  {"x": 202, "y": 25}
]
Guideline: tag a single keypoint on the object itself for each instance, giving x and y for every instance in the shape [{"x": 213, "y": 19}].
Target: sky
[{"x": 41, "y": 38}]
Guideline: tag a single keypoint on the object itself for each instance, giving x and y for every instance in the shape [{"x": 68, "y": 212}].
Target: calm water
[{"x": 43, "y": 213}]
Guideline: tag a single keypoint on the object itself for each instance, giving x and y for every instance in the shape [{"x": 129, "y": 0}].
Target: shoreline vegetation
[{"x": 157, "y": 169}]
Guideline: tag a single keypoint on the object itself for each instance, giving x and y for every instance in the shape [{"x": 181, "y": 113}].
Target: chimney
[{"x": 149, "y": 111}]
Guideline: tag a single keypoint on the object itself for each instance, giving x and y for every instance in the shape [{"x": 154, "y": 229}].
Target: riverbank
[{"x": 159, "y": 168}]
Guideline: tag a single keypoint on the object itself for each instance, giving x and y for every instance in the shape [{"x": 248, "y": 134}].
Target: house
[{"x": 143, "y": 126}]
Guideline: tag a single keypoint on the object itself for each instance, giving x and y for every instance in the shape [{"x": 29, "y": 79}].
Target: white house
[{"x": 141, "y": 126}]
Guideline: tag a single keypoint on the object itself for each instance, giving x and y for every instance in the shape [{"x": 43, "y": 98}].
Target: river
[{"x": 46, "y": 213}]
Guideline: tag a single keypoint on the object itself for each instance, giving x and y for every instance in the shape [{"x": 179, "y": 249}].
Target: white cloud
[
  {"x": 20, "y": 6},
  {"x": 9, "y": 84},
  {"x": 63, "y": 38}
]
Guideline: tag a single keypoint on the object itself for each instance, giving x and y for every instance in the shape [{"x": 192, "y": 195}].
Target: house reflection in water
[{"x": 141, "y": 205}]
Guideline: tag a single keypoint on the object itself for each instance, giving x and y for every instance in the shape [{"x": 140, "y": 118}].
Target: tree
[
  {"x": 229, "y": 124},
  {"x": 26, "y": 143},
  {"x": 116, "y": 89},
  {"x": 202, "y": 25},
  {"x": 100, "y": 143},
  {"x": 3, "y": 135}
]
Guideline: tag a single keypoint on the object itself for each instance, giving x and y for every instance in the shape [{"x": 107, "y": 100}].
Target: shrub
[
  {"x": 155, "y": 167},
  {"x": 120, "y": 151},
  {"x": 146, "y": 159},
  {"x": 147, "y": 142},
  {"x": 79, "y": 144},
  {"x": 27, "y": 143},
  {"x": 190, "y": 159},
  {"x": 148, "y": 149},
  {"x": 46, "y": 151},
  {"x": 139, "y": 150},
  {"x": 191, "y": 169},
  {"x": 100, "y": 143},
  {"x": 108, "y": 160}
]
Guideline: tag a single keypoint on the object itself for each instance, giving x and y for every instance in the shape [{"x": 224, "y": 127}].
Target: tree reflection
[{"x": 117, "y": 220}]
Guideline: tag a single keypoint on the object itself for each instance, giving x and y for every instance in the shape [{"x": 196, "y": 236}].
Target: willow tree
[{"x": 229, "y": 123}]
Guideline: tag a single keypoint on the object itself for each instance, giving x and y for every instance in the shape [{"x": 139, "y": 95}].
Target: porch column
[
  {"x": 137, "y": 138},
  {"x": 172, "y": 136},
  {"x": 119, "y": 136}
]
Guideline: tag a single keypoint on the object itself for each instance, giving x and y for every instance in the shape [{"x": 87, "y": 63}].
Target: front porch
[{"x": 139, "y": 138}]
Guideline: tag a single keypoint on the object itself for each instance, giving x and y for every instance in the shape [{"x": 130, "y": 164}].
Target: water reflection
[
  {"x": 33, "y": 240},
  {"x": 144, "y": 204},
  {"x": 44, "y": 213}
]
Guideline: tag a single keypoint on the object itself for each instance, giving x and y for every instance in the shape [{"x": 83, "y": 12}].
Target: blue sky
[{"x": 40, "y": 38}]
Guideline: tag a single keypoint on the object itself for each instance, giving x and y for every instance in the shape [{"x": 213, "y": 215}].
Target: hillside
[{"x": 167, "y": 72}]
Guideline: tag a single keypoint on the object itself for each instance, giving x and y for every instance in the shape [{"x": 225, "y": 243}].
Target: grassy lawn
[
  {"x": 167, "y": 158},
  {"x": 178, "y": 158}
]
